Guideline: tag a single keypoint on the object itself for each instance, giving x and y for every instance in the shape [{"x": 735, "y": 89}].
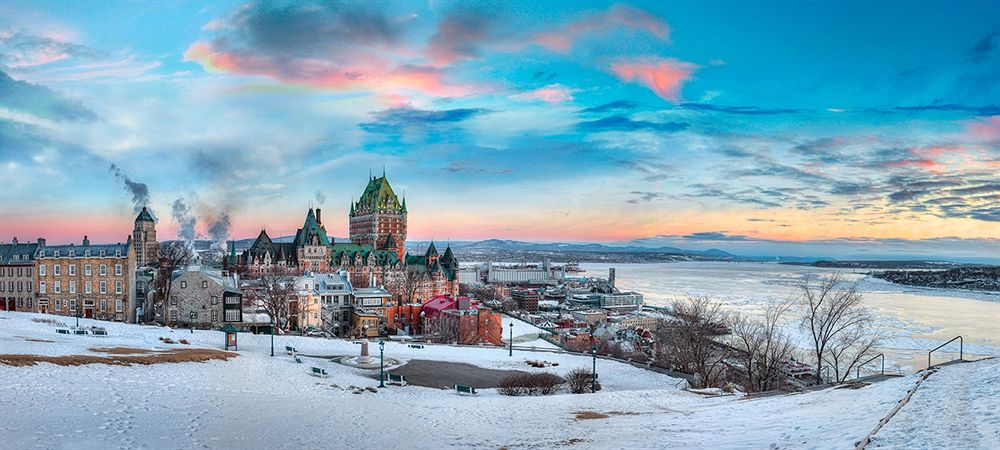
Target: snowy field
[{"x": 256, "y": 401}]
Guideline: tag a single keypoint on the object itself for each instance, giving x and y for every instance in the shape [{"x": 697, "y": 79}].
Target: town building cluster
[{"x": 365, "y": 286}]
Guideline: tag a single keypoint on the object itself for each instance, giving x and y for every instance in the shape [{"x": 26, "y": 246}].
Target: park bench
[
  {"x": 319, "y": 372},
  {"x": 290, "y": 350},
  {"x": 465, "y": 389},
  {"x": 100, "y": 332},
  {"x": 416, "y": 345},
  {"x": 357, "y": 342},
  {"x": 62, "y": 331},
  {"x": 397, "y": 379},
  {"x": 297, "y": 359},
  {"x": 79, "y": 331}
]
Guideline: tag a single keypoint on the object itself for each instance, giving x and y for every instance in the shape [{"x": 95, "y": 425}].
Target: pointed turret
[
  {"x": 431, "y": 250},
  {"x": 144, "y": 216}
]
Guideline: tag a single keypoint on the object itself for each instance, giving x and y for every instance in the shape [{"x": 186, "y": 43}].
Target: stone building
[
  {"x": 17, "y": 275},
  {"x": 435, "y": 274},
  {"x": 92, "y": 280},
  {"x": 144, "y": 243},
  {"x": 203, "y": 297}
]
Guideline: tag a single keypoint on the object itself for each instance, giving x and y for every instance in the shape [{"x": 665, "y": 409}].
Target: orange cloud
[
  {"x": 663, "y": 76},
  {"x": 930, "y": 164},
  {"x": 987, "y": 129},
  {"x": 617, "y": 16}
]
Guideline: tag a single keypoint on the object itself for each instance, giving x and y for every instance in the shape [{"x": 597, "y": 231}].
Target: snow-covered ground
[{"x": 256, "y": 401}]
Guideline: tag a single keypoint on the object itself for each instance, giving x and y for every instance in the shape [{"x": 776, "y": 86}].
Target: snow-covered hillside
[{"x": 256, "y": 401}]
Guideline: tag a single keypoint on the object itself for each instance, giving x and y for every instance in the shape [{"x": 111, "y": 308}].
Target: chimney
[
  {"x": 85, "y": 240},
  {"x": 319, "y": 218},
  {"x": 14, "y": 241},
  {"x": 41, "y": 242}
]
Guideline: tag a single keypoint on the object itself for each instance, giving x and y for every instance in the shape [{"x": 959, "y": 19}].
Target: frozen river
[{"x": 914, "y": 320}]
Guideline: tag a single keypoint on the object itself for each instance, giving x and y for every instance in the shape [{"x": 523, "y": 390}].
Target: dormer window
[
  {"x": 86, "y": 253},
  {"x": 104, "y": 253},
  {"x": 72, "y": 253},
  {"x": 118, "y": 253},
  {"x": 55, "y": 253}
]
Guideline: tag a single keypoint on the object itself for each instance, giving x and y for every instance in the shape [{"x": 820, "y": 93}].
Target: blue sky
[{"x": 791, "y": 122}]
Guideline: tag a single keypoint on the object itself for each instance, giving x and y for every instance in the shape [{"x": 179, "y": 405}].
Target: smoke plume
[
  {"x": 320, "y": 198},
  {"x": 185, "y": 221},
  {"x": 139, "y": 191},
  {"x": 219, "y": 231}
]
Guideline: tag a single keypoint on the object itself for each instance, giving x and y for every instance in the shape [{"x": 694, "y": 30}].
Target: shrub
[
  {"x": 579, "y": 381},
  {"x": 530, "y": 384}
]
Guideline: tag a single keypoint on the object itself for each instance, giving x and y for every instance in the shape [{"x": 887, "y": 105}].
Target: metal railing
[
  {"x": 961, "y": 344},
  {"x": 880, "y": 355}
]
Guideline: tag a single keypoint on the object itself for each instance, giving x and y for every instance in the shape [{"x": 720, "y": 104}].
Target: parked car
[{"x": 312, "y": 331}]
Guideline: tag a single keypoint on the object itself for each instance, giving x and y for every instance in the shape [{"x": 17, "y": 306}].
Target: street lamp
[
  {"x": 381, "y": 363},
  {"x": 511, "y": 353},
  {"x": 192, "y": 316},
  {"x": 272, "y": 335},
  {"x": 593, "y": 373},
  {"x": 76, "y": 312}
]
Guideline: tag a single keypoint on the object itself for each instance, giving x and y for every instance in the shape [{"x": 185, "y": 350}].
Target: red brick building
[
  {"x": 461, "y": 320},
  {"x": 378, "y": 218}
]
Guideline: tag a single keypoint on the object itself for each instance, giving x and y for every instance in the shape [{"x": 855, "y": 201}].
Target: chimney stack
[
  {"x": 41, "y": 242},
  {"x": 14, "y": 241},
  {"x": 85, "y": 240},
  {"x": 319, "y": 218}
]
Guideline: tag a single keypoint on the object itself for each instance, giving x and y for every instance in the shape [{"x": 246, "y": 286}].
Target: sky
[{"x": 733, "y": 125}]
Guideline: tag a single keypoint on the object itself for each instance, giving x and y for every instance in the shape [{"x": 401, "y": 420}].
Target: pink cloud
[
  {"x": 370, "y": 73},
  {"x": 663, "y": 76},
  {"x": 987, "y": 129},
  {"x": 552, "y": 93},
  {"x": 618, "y": 16},
  {"x": 929, "y": 164}
]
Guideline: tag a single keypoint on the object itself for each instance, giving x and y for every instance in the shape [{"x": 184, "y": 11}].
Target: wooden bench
[
  {"x": 297, "y": 359},
  {"x": 100, "y": 332},
  {"x": 319, "y": 372},
  {"x": 465, "y": 389},
  {"x": 357, "y": 342},
  {"x": 62, "y": 331},
  {"x": 290, "y": 350},
  {"x": 416, "y": 345},
  {"x": 398, "y": 380},
  {"x": 79, "y": 331}
]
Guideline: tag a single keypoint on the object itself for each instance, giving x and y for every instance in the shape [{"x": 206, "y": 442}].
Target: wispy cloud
[{"x": 663, "y": 76}]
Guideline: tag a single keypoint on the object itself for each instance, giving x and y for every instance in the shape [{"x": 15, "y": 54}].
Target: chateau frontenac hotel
[{"x": 375, "y": 256}]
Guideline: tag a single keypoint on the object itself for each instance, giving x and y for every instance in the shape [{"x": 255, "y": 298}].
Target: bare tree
[
  {"x": 829, "y": 308},
  {"x": 273, "y": 291},
  {"x": 687, "y": 343},
  {"x": 852, "y": 347},
  {"x": 761, "y": 346},
  {"x": 412, "y": 283},
  {"x": 172, "y": 257}
]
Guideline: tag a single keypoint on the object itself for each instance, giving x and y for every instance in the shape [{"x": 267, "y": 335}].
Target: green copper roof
[
  {"x": 378, "y": 196},
  {"x": 309, "y": 230},
  {"x": 144, "y": 216}
]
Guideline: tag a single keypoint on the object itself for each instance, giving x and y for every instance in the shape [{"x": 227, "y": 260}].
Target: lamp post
[
  {"x": 381, "y": 363},
  {"x": 192, "y": 316},
  {"x": 272, "y": 336},
  {"x": 593, "y": 373},
  {"x": 76, "y": 312},
  {"x": 511, "y": 353}
]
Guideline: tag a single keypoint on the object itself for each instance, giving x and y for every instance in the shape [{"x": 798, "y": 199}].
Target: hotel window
[
  {"x": 103, "y": 253},
  {"x": 118, "y": 269},
  {"x": 11, "y": 284},
  {"x": 88, "y": 287},
  {"x": 215, "y": 316},
  {"x": 41, "y": 287},
  {"x": 29, "y": 302},
  {"x": 57, "y": 270},
  {"x": 173, "y": 300},
  {"x": 232, "y": 315},
  {"x": 118, "y": 305},
  {"x": 118, "y": 287},
  {"x": 72, "y": 305},
  {"x": 72, "y": 253},
  {"x": 104, "y": 287},
  {"x": 204, "y": 284},
  {"x": 87, "y": 270},
  {"x": 20, "y": 303},
  {"x": 20, "y": 271},
  {"x": 104, "y": 305},
  {"x": 55, "y": 254},
  {"x": 86, "y": 253},
  {"x": 102, "y": 270},
  {"x": 118, "y": 253},
  {"x": 72, "y": 270},
  {"x": 215, "y": 300},
  {"x": 72, "y": 287},
  {"x": 29, "y": 271},
  {"x": 28, "y": 285},
  {"x": 41, "y": 269},
  {"x": 173, "y": 316},
  {"x": 58, "y": 287},
  {"x": 58, "y": 304}
]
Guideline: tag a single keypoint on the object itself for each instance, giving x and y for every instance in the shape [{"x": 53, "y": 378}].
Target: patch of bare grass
[
  {"x": 590, "y": 415},
  {"x": 179, "y": 355}
]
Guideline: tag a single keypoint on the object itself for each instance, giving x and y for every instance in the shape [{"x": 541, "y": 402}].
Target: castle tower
[
  {"x": 144, "y": 243},
  {"x": 378, "y": 218}
]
